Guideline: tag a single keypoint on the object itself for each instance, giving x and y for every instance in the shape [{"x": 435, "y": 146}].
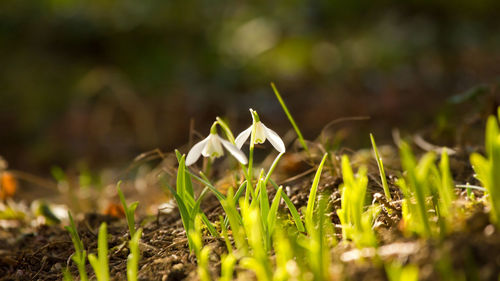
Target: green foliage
[
  {"x": 79, "y": 257},
  {"x": 129, "y": 211},
  {"x": 134, "y": 256},
  {"x": 487, "y": 168},
  {"x": 100, "y": 262},
  {"x": 356, "y": 223}
]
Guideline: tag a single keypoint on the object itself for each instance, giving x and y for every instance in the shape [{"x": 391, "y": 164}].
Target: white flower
[
  {"x": 211, "y": 147},
  {"x": 261, "y": 134}
]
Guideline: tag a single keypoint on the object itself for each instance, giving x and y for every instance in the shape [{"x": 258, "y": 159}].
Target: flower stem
[
  {"x": 250, "y": 158},
  {"x": 226, "y": 129}
]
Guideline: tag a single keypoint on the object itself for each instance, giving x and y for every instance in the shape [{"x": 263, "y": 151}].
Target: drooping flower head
[
  {"x": 262, "y": 133},
  {"x": 211, "y": 147}
]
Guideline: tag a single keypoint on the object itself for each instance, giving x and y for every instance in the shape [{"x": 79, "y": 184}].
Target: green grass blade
[
  {"x": 203, "y": 264},
  {"x": 129, "y": 211},
  {"x": 67, "y": 275},
  {"x": 492, "y": 133},
  {"x": 226, "y": 129},
  {"x": 235, "y": 220},
  {"x": 237, "y": 196},
  {"x": 185, "y": 216},
  {"x": 264, "y": 199},
  {"x": 134, "y": 256},
  {"x": 77, "y": 242},
  {"x": 418, "y": 190},
  {"x": 447, "y": 187},
  {"x": 225, "y": 235},
  {"x": 206, "y": 182},
  {"x": 272, "y": 168},
  {"x": 273, "y": 211},
  {"x": 292, "y": 121},
  {"x": 100, "y": 263},
  {"x": 293, "y": 211},
  {"x": 210, "y": 226},
  {"x": 227, "y": 267},
  {"x": 312, "y": 195},
  {"x": 184, "y": 184},
  {"x": 381, "y": 169}
]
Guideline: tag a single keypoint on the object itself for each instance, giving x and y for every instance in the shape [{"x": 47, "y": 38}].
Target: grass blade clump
[
  {"x": 487, "y": 168},
  {"x": 134, "y": 256},
  {"x": 356, "y": 223},
  {"x": 100, "y": 262},
  {"x": 129, "y": 211},
  {"x": 416, "y": 188},
  {"x": 80, "y": 255},
  {"x": 428, "y": 192}
]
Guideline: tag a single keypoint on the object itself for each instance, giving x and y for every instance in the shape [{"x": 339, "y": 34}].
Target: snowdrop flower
[
  {"x": 261, "y": 134},
  {"x": 211, "y": 147}
]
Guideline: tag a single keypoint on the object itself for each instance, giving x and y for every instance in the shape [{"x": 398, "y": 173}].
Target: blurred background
[{"x": 94, "y": 83}]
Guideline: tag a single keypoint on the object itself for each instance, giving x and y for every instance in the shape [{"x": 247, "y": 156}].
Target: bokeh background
[{"x": 100, "y": 81}]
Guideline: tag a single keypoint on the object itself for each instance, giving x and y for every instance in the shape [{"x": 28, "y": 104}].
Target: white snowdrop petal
[
  {"x": 195, "y": 152},
  {"x": 213, "y": 147},
  {"x": 274, "y": 139},
  {"x": 240, "y": 156},
  {"x": 242, "y": 137},
  {"x": 260, "y": 132}
]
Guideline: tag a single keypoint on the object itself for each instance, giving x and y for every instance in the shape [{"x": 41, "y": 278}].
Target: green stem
[
  {"x": 271, "y": 169},
  {"x": 295, "y": 127}
]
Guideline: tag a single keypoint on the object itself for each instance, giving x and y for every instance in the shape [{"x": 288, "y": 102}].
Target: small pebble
[{"x": 489, "y": 230}]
